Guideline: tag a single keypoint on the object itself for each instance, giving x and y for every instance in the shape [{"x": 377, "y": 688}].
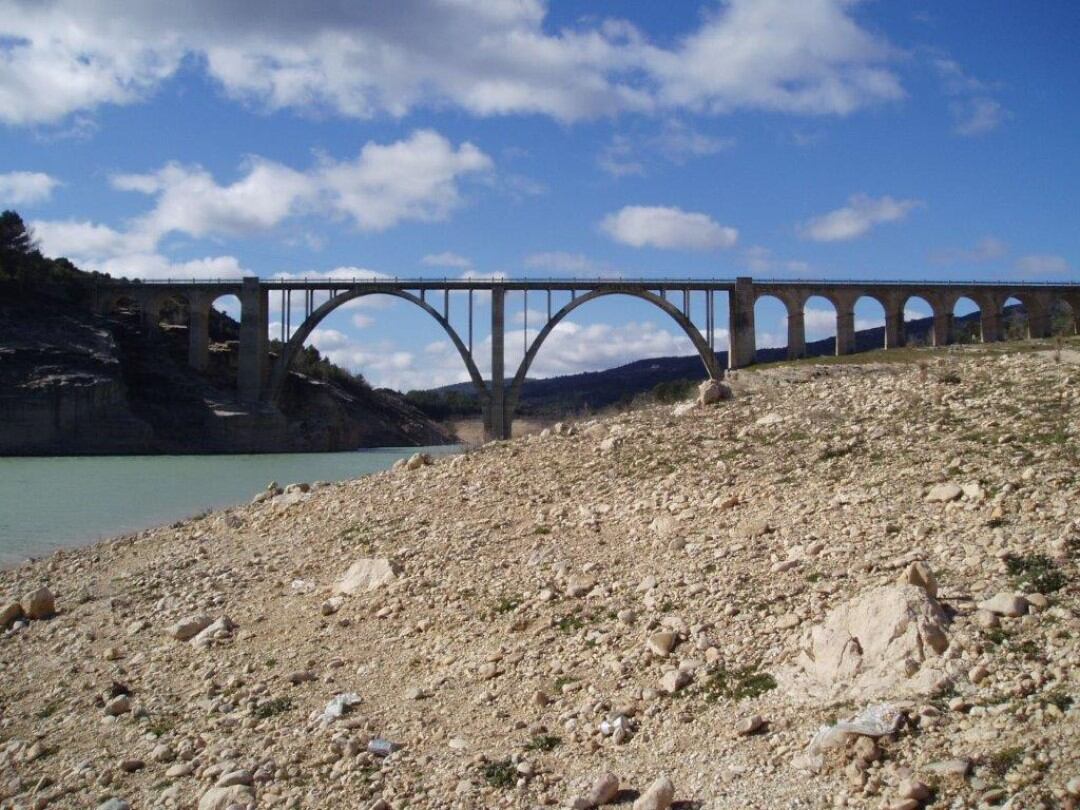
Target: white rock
[
  {"x": 367, "y": 574},
  {"x": 221, "y": 798},
  {"x": 1006, "y": 604},
  {"x": 940, "y": 493},
  {"x": 39, "y": 604},
  {"x": 659, "y": 796},
  {"x": 920, "y": 575},
  {"x": 712, "y": 391},
  {"x": 187, "y": 629},
  {"x": 10, "y": 613}
]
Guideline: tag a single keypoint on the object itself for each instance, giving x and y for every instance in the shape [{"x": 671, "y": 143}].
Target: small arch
[
  {"x": 1063, "y": 318},
  {"x": 708, "y": 357},
  {"x": 772, "y": 335},
  {"x": 296, "y": 341},
  {"x": 1014, "y": 319},
  {"x": 819, "y": 321},
  {"x": 918, "y": 321},
  {"x": 967, "y": 320},
  {"x": 869, "y": 323}
]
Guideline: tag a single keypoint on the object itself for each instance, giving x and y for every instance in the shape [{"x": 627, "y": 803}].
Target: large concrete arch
[
  {"x": 288, "y": 352},
  {"x": 708, "y": 356}
]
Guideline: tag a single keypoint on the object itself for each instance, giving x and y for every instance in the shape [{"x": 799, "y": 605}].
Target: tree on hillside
[{"x": 16, "y": 240}]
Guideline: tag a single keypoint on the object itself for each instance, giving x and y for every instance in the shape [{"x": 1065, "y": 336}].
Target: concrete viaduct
[{"x": 261, "y": 376}]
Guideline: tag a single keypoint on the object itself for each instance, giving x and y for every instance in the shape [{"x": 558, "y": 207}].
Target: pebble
[
  {"x": 659, "y": 795},
  {"x": 39, "y": 604},
  {"x": 1010, "y": 605}
]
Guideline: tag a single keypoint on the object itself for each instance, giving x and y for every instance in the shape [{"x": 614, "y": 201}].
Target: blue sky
[{"x": 825, "y": 138}]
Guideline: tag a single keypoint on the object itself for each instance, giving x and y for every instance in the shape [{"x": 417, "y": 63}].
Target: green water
[{"x": 48, "y": 503}]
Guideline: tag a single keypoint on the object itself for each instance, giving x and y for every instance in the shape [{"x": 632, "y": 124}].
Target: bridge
[{"x": 261, "y": 377}]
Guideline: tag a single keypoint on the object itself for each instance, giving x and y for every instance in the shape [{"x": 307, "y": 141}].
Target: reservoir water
[{"x": 49, "y": 503}]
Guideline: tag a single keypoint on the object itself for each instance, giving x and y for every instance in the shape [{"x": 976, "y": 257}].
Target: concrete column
[
  {"x": 498, "y": 421},
  {"x": 943, "y": 327},
  {"x": 198, "y": 334},
  {"x": 1038, "y": 315},
  {"x": 1074, "y": 304},
  {"x": 796, "y": 334},
  {"x": 894, "y": 327},
  {"x": 845, "y": 329},
  {"x": 254, "y": 322},
  {"x": 990, "y": 321},
  {"x": 741, "y": 339}
]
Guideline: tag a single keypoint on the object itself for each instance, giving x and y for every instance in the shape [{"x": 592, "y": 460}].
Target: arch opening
[
  {"x": 967, "y": 321},
  {"x": 869, "y": 324},
  {"x": 819, "y": 320},
  {"x": 694, "y": 339},
  {"x": 772, "y": 330},
  {"x": 918, "y": 321},
  {"x": 1014, "y": 319},
  {"x": 1063, "y": 318},
  {"x": 313, "y": 344}
]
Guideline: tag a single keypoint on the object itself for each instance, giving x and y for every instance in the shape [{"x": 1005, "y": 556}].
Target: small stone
[
  {"x": 331, "y": 606},
  {"x": 540, "y": 698},
  {"x": 940, "y": 493},
  {"x": 750, "y": 725},
  {"x": 300, "y": 676},
  {"x": 987, "y": 619},
  {"x": 579, "y": 586},
  {"x": 180, "y": 769},
  {"x": 487, "y": 671},
  {"x": 1037, "y": 601},
  {"x": 920, "y": 575},
  {"x": 114, "y": 804},
  {"x": 673, "y": 681},
  {"x": 187, "y": 629},
  {"x": 659, "y": 796},
  {"x": 238, "y": 777},
  {"x": 221, "y": 798},
  {"x": 957, "y": 768},
  {"x": 913, "y": 789},
  {"x": 661, "y": 644},
  {"x": 162, "y": 753},
  {"x": 978, "y": 673},
  {"x": 39, "y": 604},
  {"x": 113, "y": 654},
  {"x": 121, "y": 704},
  {"x": 1072, "y": 787},
  {"x": 603, "y": 791},
  {"x": 367, "y": 574},
  {"x": 10, "y": 613},
  {"x": 131, "y": 765},
  {"x": 1006, "y": 604},
  {"x": 903, "y": 804}
]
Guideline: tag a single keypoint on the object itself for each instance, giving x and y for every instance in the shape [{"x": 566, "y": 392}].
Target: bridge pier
[
  {"x": 496, "y": 420},
  {"x": 990, "y": 322},
  {"x": 1038, "y": 314},
  {"x": 742, "y": 346},
  {"x": 198, "y": 333},
  {"x": 254, "y": 341},
  {"x": 845, "y": 329},
  {"x": 894, "y": 327},
  {"x": 943, "y": 326},
  {"x": 796, "y": 334}
]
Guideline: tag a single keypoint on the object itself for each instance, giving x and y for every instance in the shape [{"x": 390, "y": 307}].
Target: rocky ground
[{"x": 685, "y": 599}]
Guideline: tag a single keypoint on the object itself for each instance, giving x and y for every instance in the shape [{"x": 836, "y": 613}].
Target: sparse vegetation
[
  {"x": 272, "y": 707},
  {"x": 1035, "y": 572},
  {"x": 543, "y": 742},
  {"x": 738, "y": 684},
  {"x": 500, "y": 774}
]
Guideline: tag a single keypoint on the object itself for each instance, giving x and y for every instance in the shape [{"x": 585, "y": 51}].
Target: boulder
[
  {"x": 39, "y": 604},
  {"x": 367, "y": 574},
  {"x": 187, "y": 629},
  {"x": 659, "y": 796},
  {"x": 939, "y": 493},
  {"x": 221, "y": 798},
  {"x": 603, "y": 791},
  {"x": 10, "y": 613},
  {"x": 1006, "y": 604},
  {"x": 920, "y": 575},
  {"x": 882, "y": 643},
  {"x": 417, "y": 460},
  {"x": 712, "y": 391}
]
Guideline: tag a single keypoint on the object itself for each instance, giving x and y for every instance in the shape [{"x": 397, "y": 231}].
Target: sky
[{"x": 529, "y": 139}]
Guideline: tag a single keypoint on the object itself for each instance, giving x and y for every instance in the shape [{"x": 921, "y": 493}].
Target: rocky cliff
[{"x": 75, "y": 383}]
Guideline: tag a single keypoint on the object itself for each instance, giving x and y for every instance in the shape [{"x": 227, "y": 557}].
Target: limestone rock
[
  {"x": 750, "y": 725},
  {"x": 603, "y": 791},
  {"x": 881, "y": 643},
  {"x": 187, "y": 629},
  {"x": 39, "y": 604},
  {"x": 674, "y": 680},
  {"x": 940, "y": 493},
  {"x": 659, "y": 796},
  {"x": 661, "y": 644},
  {"x": 114, "y": 804},
  {"x": 367, "y": 574},
  {"x": 1005, "y": 604},
  {"x": 221, "y": 798},
  {"x": 10, "y": 613},
  {"x": 712, "y": 391},
  {"x": 579, "y": 586},
  {"x": 920, "y": 575}
]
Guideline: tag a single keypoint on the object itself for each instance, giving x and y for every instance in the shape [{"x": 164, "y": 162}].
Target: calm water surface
[{"x": 47, "y": 503}]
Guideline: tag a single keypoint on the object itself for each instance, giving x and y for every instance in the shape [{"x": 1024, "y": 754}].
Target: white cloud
[
  {"x": 856, "y": 218},
  {"x": 488, "y": 57},
  {"x": 1038, "y": 264},
  {"x": 664, "y": 227},
  {"x": 447, "y": 259},
  {"x": 987, "y": 249},
  {"x": 573, "y": 264},
  {"x": 361, "y": 321},
  {"x": 676, "y": 142},
  {"x": 760, "y": 259},
  {"x": 617, "y": 158},
  {"x": 974, "y": 110},
  {"x": 25, "y": 188}
]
